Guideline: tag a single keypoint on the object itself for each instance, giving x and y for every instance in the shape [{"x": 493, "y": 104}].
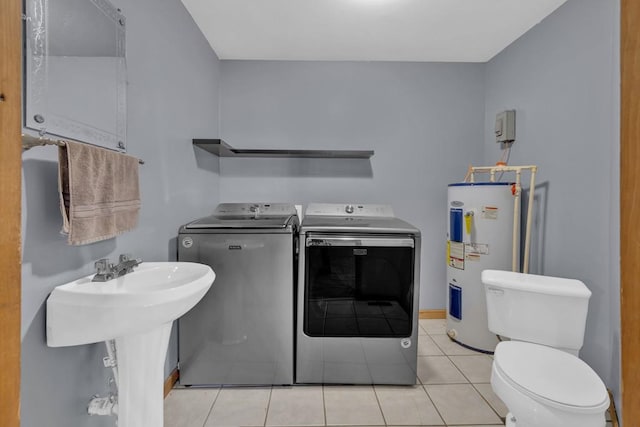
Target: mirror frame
[{"x": 37, "y": 114}]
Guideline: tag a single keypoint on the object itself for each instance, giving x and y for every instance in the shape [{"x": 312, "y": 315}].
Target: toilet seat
[{"x": 551, "y": 377}]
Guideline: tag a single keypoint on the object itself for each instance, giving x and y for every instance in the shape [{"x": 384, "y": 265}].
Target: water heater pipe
[
  {"x": 112, "y": 359},
  {"x": 491, "y": 170},
  {"x": 527, "y": 234},
  {"x": 516, "y": 215}
]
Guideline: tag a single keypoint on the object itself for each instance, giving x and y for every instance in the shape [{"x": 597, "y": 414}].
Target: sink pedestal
[{"x": 141, "y": 360}]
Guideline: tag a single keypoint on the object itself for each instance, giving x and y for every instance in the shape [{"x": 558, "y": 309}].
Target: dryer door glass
[{"x": 358, "y": 287}]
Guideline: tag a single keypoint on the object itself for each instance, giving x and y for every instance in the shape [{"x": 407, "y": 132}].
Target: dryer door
[{"x": 358, "y": 286}]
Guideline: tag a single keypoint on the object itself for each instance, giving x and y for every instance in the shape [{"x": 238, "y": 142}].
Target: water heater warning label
[
  {"x": 473, "y": 257},
  {"x": 477, "y": 248},
  {"x": 456, "y": 255},
  {"x": 489, "y": 212}
]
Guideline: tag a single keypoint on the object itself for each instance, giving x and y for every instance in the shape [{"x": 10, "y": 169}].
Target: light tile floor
[{"x": 453, "y": 390}]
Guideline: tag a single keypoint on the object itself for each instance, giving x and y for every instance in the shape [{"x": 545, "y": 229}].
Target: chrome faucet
[{"x": 105, "y": 270}]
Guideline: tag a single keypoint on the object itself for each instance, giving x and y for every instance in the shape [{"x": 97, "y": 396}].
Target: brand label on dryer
[{"x": 405, "y": 342}]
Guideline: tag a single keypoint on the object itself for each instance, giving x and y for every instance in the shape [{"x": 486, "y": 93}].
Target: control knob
[{"x": 348, "y": 209}]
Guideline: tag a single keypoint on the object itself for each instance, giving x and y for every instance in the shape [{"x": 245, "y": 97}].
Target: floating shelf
[{"x": 222, "y": 149}]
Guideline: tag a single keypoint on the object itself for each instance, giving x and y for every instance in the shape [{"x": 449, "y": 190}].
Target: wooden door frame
[
  {"x": 10, "y": 205},
  {"x": 630, "y": 210}
]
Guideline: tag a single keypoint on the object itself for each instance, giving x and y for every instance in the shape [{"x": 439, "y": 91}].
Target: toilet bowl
[
  {"x": 538, "y": 374},
  {"x": 547, "y": 387}
]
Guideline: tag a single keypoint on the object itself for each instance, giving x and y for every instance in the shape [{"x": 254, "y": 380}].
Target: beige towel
[{"x": 99, "y": 192}]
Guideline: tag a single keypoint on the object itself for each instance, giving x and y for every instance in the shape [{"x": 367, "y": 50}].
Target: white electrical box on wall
[{"x": 505, "y": 128}]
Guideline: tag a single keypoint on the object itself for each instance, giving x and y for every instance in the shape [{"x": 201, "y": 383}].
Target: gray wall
[
  {"x": 424, "y": 121},
  {"x": 562, "y": 77},
  {"x": 172, "y": 97}
]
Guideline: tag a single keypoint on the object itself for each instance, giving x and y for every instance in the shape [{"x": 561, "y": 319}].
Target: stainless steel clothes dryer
[
  {"x": 357, "y": 311},
  {"x": 241, "y": 332}
]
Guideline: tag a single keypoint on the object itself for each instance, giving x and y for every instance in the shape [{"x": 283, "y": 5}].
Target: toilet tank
[{"x": 540, "y": 309}]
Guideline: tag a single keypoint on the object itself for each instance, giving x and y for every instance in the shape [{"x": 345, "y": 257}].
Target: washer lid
[
  {"x": 551, "y": 375},
  {"x": 214, "y": 221},
  {"x": 247, "y": 215}
]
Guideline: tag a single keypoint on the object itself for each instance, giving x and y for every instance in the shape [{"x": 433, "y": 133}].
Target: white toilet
[{"x": 538, "y": 374}]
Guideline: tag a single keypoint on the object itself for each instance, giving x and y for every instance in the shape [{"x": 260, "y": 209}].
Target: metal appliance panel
[
  {"x": 241, "y": 332},
  {"x": 357, "y": 360},
  {"x": 364, "y": 240}
]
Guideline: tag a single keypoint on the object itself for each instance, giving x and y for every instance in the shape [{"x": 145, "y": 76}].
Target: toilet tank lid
[{"x": 534, "y": 283}]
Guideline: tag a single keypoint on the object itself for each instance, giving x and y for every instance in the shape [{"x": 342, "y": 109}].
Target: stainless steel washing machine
[
  {"x": 357, "y": 310},
  {"x": 241, "y": 332}
]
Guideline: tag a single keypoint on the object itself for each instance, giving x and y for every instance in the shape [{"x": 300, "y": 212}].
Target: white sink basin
[
  {"x": 83, "y": 312},
  {"x": 137, "y": 311}
]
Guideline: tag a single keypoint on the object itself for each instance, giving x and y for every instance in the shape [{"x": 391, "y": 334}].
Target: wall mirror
[{"x": 75, "y": 71}]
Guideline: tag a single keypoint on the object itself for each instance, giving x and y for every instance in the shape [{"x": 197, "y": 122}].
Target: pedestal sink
[{"x": 137, "y": 311}]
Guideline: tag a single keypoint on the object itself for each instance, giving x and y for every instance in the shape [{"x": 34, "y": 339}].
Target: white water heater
[{"x": 480, "y": 235}]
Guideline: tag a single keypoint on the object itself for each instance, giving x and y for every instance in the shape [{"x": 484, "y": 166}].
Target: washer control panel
[{"x": 250, "y": 209}]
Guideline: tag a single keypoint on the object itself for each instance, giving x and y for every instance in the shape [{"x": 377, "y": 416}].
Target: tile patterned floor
[{"x": 453, "y": 390}]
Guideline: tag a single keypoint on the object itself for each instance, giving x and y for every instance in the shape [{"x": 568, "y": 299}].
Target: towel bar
[{"x": 29, "y": 141}]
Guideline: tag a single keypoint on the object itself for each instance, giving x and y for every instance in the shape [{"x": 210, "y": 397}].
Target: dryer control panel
[{"x": 349, "y": 209}]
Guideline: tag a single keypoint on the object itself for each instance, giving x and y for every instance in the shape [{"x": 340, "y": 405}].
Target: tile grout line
[
  {"x": 266, "y": 413},
  {"x": 211, "y": 408},
  {"x": 459, "y": 370},
  {"x": 470, "y": 382},
  {"x": 384, "y": 419},
  {"x": 324, "y": 407},
  {"x": 444, "y": 353},
  {"x": 449, "y": 356},
  {"x": 434, "y": 405},
  {"x": 488, "y": 403}
]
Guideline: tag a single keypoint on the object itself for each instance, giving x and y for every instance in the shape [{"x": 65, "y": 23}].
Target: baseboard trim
[
  {"x": 433, "y": 314},
  {"x": 171, "y": 380}
]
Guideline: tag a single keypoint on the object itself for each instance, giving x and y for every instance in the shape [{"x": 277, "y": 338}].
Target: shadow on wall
[
  {"x": 538, "y": 226},
  {"x": 44, "y": 247},
  {"x": 298, "y": 167},
  {"x": 173, "y": 248},
  {"x": 206, "y": 160}
]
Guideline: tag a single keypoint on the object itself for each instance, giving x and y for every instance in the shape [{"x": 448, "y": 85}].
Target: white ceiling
[{"x": 366, "y": 30}]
